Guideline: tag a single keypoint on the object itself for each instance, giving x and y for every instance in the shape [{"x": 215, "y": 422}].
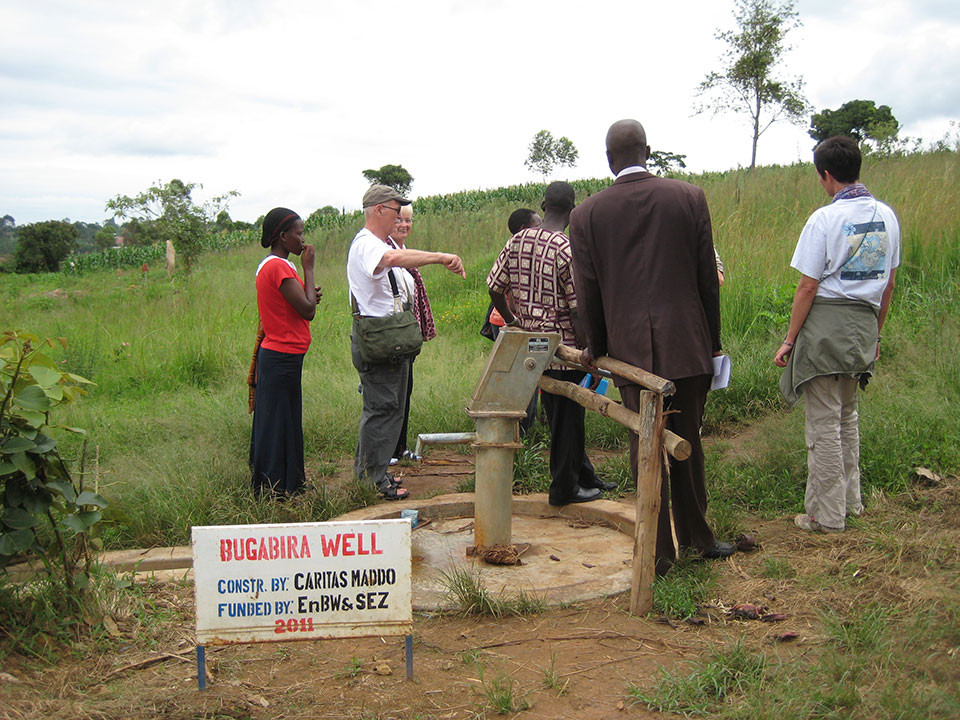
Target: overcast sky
[{"x": 287, "y": 102}]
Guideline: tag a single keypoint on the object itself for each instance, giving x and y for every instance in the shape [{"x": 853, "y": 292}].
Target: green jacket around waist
[{"x": 839, "y": 337}]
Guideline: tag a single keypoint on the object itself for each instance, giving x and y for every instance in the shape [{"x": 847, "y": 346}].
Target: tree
[
  {"x": 42, "y": 246},
  {"x": 393, "y": 175},
  {"x": 106, "y": 237},
  {"x": 223, "y": 223},
  {"x": 8, "y": 234},
  {"x": 666, "y": 163},
  {"x": 168, "y": 212},
  {"x": 859, "y": 119},
  {"x": 139, "y": 233},
  {"x": 318, "y": 217},
  {"x": 545, "y": 153},
  {"x": 86, "y": 240},
  {"x": 748, "y": 81}
]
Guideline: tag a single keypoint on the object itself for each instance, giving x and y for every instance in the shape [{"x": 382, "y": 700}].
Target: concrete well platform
[{"x": 576, "y": 552}]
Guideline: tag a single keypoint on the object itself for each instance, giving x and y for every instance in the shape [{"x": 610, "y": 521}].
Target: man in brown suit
[{"x": 646, "y": 280}]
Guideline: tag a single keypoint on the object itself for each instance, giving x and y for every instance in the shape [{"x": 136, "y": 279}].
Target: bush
[
  {"x": 38, "y": 491},
  {"x": 42, "y": 246}
]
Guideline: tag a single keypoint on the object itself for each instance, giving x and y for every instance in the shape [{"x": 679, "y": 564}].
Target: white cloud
[{"x": 288, "y": 102}]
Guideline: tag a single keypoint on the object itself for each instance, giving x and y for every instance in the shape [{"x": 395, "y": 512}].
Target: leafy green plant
[
  {"x": 353, "y": 669},
  {"x": 471, "y": 656},
  {"x": 37, "y": 488}
]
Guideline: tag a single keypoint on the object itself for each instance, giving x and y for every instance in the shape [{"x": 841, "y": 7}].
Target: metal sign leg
[
  {"x": 408, "y": 647},
  {"x": 201, "y": 667}
]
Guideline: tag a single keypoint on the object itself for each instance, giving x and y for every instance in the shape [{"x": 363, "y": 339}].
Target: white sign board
[{"x": 302, "y": 581}]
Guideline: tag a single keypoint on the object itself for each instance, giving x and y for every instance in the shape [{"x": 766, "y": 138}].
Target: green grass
[
  {"x": 727, "y": 671},
  {"x": 531, "y": 464},
  {"x": 871, "y": 661},
  {"x": 776, "y": 568},
  {"x": 551, "y": 679},
  {"x": 863, "y": 632},
  {"x": 168, "y": 415},
  {"x": 472, "y": 597},
  {"x": 684, "y": 588},
  {"x": 501, "y": 693}
]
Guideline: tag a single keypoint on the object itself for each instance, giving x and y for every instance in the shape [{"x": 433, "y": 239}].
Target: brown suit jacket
[{"x": 646, "y": 276}]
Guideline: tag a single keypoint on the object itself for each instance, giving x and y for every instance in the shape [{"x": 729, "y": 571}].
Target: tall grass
[{"x": 170, "y": 357}]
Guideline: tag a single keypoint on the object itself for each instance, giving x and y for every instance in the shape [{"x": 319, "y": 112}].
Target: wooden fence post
[{"x": 649, "y": 457}]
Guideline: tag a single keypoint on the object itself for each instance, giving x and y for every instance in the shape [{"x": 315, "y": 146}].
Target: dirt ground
[{"x": 569, "y": 662}]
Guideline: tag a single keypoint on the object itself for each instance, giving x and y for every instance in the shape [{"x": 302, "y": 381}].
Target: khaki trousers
[{"x": 833, "y": 449}]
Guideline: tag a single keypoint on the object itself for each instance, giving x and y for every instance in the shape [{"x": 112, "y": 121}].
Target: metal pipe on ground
[{"x": 457, "y": 438}]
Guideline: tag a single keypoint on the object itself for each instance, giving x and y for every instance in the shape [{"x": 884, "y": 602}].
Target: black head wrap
[{"x": 275, "y": 222}]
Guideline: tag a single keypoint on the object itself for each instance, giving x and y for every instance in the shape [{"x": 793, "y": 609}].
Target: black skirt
[{"x": 276, "y": 443}]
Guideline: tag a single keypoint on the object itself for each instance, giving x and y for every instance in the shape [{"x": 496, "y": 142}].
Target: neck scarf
[
  {"x": 852, "y": 191},
  {"x": 421, "y": 303}
]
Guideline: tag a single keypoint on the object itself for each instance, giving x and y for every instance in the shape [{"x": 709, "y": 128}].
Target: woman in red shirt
[{"x": 287, "y": 304}]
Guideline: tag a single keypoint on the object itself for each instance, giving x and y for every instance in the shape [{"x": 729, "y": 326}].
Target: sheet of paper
[{"x": 721, "y": 372}]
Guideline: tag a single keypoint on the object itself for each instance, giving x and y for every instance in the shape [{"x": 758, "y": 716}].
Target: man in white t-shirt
[
  {"x": 370, "y": 262},
  {"x": 847, "y": 255}
]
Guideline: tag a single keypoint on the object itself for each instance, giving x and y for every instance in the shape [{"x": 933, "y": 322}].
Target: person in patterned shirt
[{"x": 535, "y": 267}]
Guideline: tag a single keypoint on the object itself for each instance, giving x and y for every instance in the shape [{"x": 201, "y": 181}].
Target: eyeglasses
[{"x": 390, "y": 207}]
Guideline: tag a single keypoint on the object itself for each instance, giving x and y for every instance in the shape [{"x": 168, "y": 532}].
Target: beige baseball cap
[{"x": 379, "y": 194}]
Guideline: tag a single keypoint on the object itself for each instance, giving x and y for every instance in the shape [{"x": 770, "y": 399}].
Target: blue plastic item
[{"x": 601, "y": 387}]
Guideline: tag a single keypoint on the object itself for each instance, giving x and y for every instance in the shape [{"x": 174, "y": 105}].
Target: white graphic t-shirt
[{"x": 850, "y": 246}]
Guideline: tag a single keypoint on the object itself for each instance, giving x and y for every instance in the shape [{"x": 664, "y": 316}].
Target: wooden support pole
[
  {"x": 621, "y": 369},
  {"x": 678, "y": 447},
  {"x": 648, "y": 502}
]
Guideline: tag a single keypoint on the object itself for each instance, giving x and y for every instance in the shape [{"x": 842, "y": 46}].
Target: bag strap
[
  {"x": 393, "y": 283},
  {"x": 396, "y": 295},
  {"x": 397, "y": 305}
]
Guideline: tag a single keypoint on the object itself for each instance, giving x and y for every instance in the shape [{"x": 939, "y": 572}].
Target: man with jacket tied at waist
[
  {"x": 847, "y": 256},
  {"x": 370, "y": 263}
]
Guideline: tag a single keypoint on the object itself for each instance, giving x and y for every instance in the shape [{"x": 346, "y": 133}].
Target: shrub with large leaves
[{"x": 44, "y": 512}]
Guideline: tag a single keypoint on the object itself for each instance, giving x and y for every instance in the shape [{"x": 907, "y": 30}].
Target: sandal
[
  {"x": 393, "y": 479},
  {"x": 394, "y": 492}
]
